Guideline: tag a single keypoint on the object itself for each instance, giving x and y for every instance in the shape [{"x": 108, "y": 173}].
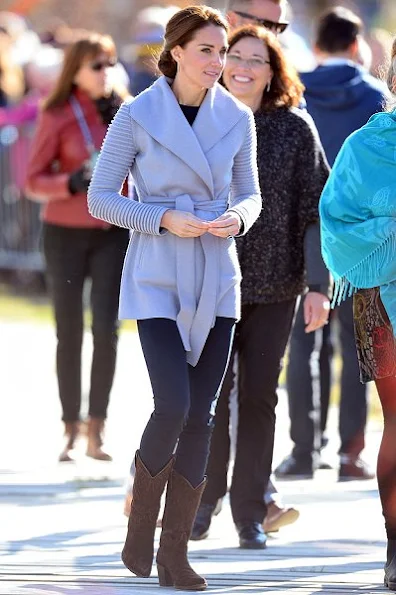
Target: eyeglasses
[
  {"x": 270, "y": 25},
  {"x": 98, "y": 66},
  {"x": 250, "y": 62}
]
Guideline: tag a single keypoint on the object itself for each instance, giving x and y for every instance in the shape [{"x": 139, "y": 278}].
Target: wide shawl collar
[
  {"x": 358, "y": 213},
  {"x": 157, "y": 111}
]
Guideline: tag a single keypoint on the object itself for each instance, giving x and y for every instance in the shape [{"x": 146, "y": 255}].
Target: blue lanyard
[{"x": 85, "y": 131}]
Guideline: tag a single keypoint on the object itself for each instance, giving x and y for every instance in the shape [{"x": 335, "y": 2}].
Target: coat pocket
[
  {"x": 144, "y": 240},
  {"x": 156, "y": 261}
]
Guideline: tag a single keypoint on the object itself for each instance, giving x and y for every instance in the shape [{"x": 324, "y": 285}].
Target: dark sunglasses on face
[
  {"x": 98, "y": 66},
  {"x": 270, "y": 25}
]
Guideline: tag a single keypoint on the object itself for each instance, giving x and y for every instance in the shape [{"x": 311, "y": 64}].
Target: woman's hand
[
  {"x": 184, "y": 225},
  {"x": 316, "y": 311},
  {"x": 228, "y": 225}
]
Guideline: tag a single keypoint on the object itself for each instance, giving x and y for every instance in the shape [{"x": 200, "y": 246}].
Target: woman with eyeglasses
[
  {"x": 77, "y": 247},
  {"x": 279, "y": 258}
]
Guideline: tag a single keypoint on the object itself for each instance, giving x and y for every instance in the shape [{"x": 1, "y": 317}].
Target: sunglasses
[
  {"x": 270, "y": 25},
  {"x": 98, "y": 66}
]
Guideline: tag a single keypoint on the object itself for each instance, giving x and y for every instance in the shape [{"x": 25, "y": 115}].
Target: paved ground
[{"x": 61, "y": 527}]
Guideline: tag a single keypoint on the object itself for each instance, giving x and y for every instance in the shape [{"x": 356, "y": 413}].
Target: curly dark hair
[{"x": 286, "y": 88}]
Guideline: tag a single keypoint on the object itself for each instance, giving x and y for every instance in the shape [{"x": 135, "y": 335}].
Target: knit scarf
[{"x": 358, "y": 213}]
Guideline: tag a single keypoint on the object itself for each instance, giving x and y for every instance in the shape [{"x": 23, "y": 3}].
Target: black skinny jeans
[
  {"x": 73, "y": 255},
  {"x": 184, "y": 396},
  {"x": 308, "y": 386},
  {"x": 260, "y": 340}
]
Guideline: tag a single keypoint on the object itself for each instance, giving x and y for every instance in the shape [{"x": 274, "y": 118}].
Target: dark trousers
[
  {"x": 184, "y": 396},
  {"x": 309, "y": 384},
  {"x": 73, "y": 255},
  {"x": 260, "y": 340}
]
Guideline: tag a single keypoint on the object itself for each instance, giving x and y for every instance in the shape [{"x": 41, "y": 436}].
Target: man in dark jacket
[{"x": 341, "y": 96}]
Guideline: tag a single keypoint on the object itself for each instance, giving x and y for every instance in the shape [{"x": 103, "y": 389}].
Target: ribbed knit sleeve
[
  {"x": 104, "y": 195},
  {"x": 245, "y": 189}
]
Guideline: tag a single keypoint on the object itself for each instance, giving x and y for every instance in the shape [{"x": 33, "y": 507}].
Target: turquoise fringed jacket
[{"x": 358, "y": 213}]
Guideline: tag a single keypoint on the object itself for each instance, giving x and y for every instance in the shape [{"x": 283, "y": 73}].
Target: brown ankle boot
[
  {"x": 138, "y": 551},
  {"x": 182, "y": 501},
  {"x": 71, "y": 433},
  {"x": 95, "y": 431}
]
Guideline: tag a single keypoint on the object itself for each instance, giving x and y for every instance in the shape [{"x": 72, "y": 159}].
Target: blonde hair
[
  {"x": 11, "y": 75},
  {"x": 391, "y": 78}
]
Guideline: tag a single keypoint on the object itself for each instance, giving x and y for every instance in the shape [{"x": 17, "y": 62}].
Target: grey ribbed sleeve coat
[{"x": 204, "y": 169}]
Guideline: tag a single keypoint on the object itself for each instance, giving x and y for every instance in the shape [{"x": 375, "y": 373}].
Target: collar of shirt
[{"x": 336, "y": 62}]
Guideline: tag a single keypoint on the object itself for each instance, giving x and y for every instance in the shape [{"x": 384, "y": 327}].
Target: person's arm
[
  {"x": 312, "y": 174},
  {"x": 317, "y": 274},
  {"x": 245, "y": 199},
  {"x": 104, "y": 195},
  {"x": 42, "y": 182},
  {"x": 316, "y": 301}
]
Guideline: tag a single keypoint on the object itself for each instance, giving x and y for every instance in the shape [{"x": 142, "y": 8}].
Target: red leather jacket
[{"x": 59, "y": 149}]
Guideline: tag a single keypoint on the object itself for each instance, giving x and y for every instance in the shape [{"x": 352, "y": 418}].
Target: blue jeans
[{"x": 184, "y": 396}]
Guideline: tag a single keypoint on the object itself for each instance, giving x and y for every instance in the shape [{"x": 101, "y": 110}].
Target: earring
[{"x": 268, "y": 86}]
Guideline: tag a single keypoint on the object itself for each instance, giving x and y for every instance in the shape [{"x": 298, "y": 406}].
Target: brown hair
[
  {"x": 391, "y": 105},
  {"x": 286, "y": 89},
  {"x": 90, "y": 46},
  {"x": 338, "y": 29},
  {"x": 181, "y": 28}
]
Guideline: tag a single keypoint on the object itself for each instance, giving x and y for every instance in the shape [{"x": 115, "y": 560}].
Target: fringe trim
[{"x": 357, "y": 277}]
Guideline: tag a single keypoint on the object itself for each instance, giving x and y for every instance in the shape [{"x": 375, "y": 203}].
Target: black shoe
[
  {"x": 251, "y": 535},
  {"x": 204, "y": 518},
  {"x": 390, "y": 566},
  {"x": 352, "y": 469},
  {"x": 324, "y": 465},
  {"x": 291, "y": 468}
]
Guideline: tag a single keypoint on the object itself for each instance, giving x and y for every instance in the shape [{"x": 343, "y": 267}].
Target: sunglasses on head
[
  {"x": 270, "y": 25},
  {"x": 98, "y": 66}
]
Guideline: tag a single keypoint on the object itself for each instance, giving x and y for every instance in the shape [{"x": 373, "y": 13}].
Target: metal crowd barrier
[{"x": 20, "y": 225}]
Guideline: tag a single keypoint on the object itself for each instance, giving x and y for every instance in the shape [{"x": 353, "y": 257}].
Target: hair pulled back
[{"x": 181, "y": 29}]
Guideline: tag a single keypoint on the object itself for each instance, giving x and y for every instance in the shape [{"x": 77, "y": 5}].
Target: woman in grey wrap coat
[{"x": 197, "y": 186}]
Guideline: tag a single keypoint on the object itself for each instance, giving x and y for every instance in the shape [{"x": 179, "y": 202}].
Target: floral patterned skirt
[{"x": 375, "y": 339}]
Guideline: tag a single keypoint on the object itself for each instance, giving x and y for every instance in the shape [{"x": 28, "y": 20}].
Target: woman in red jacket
[{"x": 70, "y": 132}]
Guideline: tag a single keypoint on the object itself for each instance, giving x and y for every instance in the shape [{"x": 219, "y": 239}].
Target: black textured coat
[{"x": 292, "y": 171}]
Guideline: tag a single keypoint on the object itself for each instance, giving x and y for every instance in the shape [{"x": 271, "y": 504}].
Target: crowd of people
[{"x": 222, "y": 200}]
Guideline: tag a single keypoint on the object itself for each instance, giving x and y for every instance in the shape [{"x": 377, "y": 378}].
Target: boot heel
[{"x": 164, "y": 577}]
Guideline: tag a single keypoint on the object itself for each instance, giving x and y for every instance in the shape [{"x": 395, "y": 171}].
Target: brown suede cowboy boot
[
  {"x": 182, "y": 501},
  {"x": 138, "y": 550}
]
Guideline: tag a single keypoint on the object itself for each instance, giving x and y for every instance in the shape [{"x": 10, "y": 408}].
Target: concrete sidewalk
[{"x": 62, "y": 526}]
